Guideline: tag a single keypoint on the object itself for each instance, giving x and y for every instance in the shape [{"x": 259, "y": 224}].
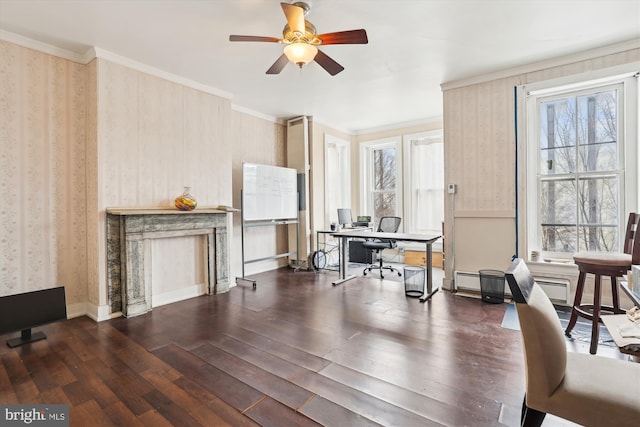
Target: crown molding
[
  {"x": 97, "y": 52},
  {"x": 438, "y": 120},
  {"x": 257, "y": 114},
  {"x": 544, "y": 64},
  {"x": 41, "y": 47}
]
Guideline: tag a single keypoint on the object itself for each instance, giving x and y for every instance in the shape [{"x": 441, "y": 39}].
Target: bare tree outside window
[
  {"x": 384, "y": 182},
  {"x": 578, "y": 173}
]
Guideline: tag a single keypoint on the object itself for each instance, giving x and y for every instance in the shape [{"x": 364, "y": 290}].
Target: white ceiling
[{"x": 414, "y": 46}]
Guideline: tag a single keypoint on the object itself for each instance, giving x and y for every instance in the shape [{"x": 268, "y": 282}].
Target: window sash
[
  {"x": 573, "y": 231},
  {"x": 424, "y": 182},
  {"x": 386, "y": 196}
]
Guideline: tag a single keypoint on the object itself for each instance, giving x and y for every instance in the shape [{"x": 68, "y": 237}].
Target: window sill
[{"x": 552, "y": 268}]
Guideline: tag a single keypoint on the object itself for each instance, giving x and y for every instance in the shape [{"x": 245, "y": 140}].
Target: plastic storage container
[
  {"x": 414, "y": 281},
  {"x": 492, "y": 286}
]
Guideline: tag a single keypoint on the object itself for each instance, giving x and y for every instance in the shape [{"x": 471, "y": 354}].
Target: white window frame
[
  {"x": 528, "y": 148},
  {"x": 435, "y": 136},
  {"x": 337, "y": 176},
  {"x": 366, "y": 174}
]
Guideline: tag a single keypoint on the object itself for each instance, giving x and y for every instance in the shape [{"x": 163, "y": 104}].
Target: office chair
[
  {"x": 582, "y": 388},
  {"x": 387, "y": 224}
]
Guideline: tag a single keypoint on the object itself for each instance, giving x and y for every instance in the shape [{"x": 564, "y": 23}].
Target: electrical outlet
[{"x": 452, "y": 189}]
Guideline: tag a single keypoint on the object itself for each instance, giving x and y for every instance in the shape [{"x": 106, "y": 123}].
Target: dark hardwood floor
[{"x": 296, "y": 351}]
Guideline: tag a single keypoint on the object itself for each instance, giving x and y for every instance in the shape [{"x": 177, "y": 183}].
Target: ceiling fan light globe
[{"x": 300, "y": 53}]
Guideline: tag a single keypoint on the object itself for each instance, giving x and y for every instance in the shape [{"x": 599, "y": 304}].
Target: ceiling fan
[{"x": 301, "y": 40}]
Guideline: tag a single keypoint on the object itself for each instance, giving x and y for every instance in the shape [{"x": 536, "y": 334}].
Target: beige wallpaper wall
[
  {"x": 479, "y": 134},
  {"x": 154, "y": 138},
  {"x": 42, "y": 173},
  {"x": 77, "y": 139}
]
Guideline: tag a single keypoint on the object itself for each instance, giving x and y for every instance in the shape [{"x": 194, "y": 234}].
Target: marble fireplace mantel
[{"x": 129, "y": 234}]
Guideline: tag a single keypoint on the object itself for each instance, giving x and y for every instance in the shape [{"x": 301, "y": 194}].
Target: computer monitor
[{"x": 344, "y": 217}]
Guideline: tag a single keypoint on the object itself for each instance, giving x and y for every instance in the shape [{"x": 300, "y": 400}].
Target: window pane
[
  {"x": 384, "y": 169},
  {"x": 558, "y": 201},
  {"x": 384, "y": 204},
  {"x": 558, "y": 215},
  {"x": 558, "y": 238},
  {"x": 598, "y": 210},
  {"x": 557, "y": 136},
  {"x": 598, "y": 132},
  {"x": 595, "y": 238}
]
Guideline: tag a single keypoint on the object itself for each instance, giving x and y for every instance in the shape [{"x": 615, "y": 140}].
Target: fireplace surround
[{"x": 129, "y": 235}]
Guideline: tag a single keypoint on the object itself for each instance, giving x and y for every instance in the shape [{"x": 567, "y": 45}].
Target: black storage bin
[
  {"x": 414, "y": 281},
  {"x": 358, "y": 253},
  {"x": 492, "y": 286}
]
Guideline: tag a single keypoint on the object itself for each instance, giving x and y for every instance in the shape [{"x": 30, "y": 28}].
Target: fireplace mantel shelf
[{"x": 165, "y": 211}]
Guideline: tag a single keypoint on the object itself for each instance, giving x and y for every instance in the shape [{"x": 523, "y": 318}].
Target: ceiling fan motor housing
[{"x": 309, "y": 35}]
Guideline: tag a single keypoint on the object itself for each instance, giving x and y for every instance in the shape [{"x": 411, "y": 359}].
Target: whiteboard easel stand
[{"x": 271, "y": 222}]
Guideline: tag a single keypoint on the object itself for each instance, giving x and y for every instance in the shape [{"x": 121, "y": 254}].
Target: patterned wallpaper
[
  {"x": 42, "y": 173},
  {"x": 76, "y": 139},
  {"x": 154, "y": 138}
]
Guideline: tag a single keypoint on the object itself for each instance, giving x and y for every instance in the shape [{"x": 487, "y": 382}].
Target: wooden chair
[
  {"x": 601, "y": 264},
  {"x": 585, "y": 389},
  {"x": 387, "y": 224}
]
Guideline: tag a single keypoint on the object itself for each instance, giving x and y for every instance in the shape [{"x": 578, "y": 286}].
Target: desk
[
  {"x": 428, "y": 240},
  {"x": 326, "y": 252}
]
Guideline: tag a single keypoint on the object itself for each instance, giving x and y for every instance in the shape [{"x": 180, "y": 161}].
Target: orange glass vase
[{"x": 186, "y": 202}]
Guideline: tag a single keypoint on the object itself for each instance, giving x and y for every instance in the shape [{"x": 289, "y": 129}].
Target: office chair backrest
[
  {"x": 389, "y": 224},
  {"x": 545, "y": 348}
]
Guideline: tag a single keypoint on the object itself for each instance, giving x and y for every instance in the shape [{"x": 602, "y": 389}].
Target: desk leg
[
  {"x": 429, "y": 288},
  {"x": 343, "y": 263}
]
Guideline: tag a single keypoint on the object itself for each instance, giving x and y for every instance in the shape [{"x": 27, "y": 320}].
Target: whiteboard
[{"x": 269, "y": 192}]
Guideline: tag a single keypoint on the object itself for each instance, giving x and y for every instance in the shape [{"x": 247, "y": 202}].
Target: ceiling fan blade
[
  {"x": 295, "y": 17},
  {"x": 253, "y": 39},
  {"x": 331, "y": 66},
  {"x": 345, "y": 37},
  {"x": 278, "y": 65}
]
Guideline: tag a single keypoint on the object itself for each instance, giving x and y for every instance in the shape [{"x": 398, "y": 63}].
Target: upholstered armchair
[{"x": 583, "y": 388}]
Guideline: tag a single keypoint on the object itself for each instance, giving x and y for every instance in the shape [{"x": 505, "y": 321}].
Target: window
[
  {"x": 580, "y": 187},
  {"x": 424, "y": 182},
  {"x": 337, "y": 177},
  {"x": 382, "y": 179}
]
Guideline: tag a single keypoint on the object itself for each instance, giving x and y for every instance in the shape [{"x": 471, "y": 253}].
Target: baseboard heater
[{"x": 556, "y": 289}]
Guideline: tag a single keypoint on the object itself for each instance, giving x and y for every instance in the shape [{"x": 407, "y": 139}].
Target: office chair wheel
[{"x": 399, "y": 274}]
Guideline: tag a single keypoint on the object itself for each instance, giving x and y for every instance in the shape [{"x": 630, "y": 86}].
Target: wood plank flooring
[{"x": 296, "y": 351}]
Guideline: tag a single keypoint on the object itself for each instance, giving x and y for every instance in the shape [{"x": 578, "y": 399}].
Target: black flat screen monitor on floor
[
  {"x": 21, "y": 312},
  {"x": 344, "y": 217}
]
